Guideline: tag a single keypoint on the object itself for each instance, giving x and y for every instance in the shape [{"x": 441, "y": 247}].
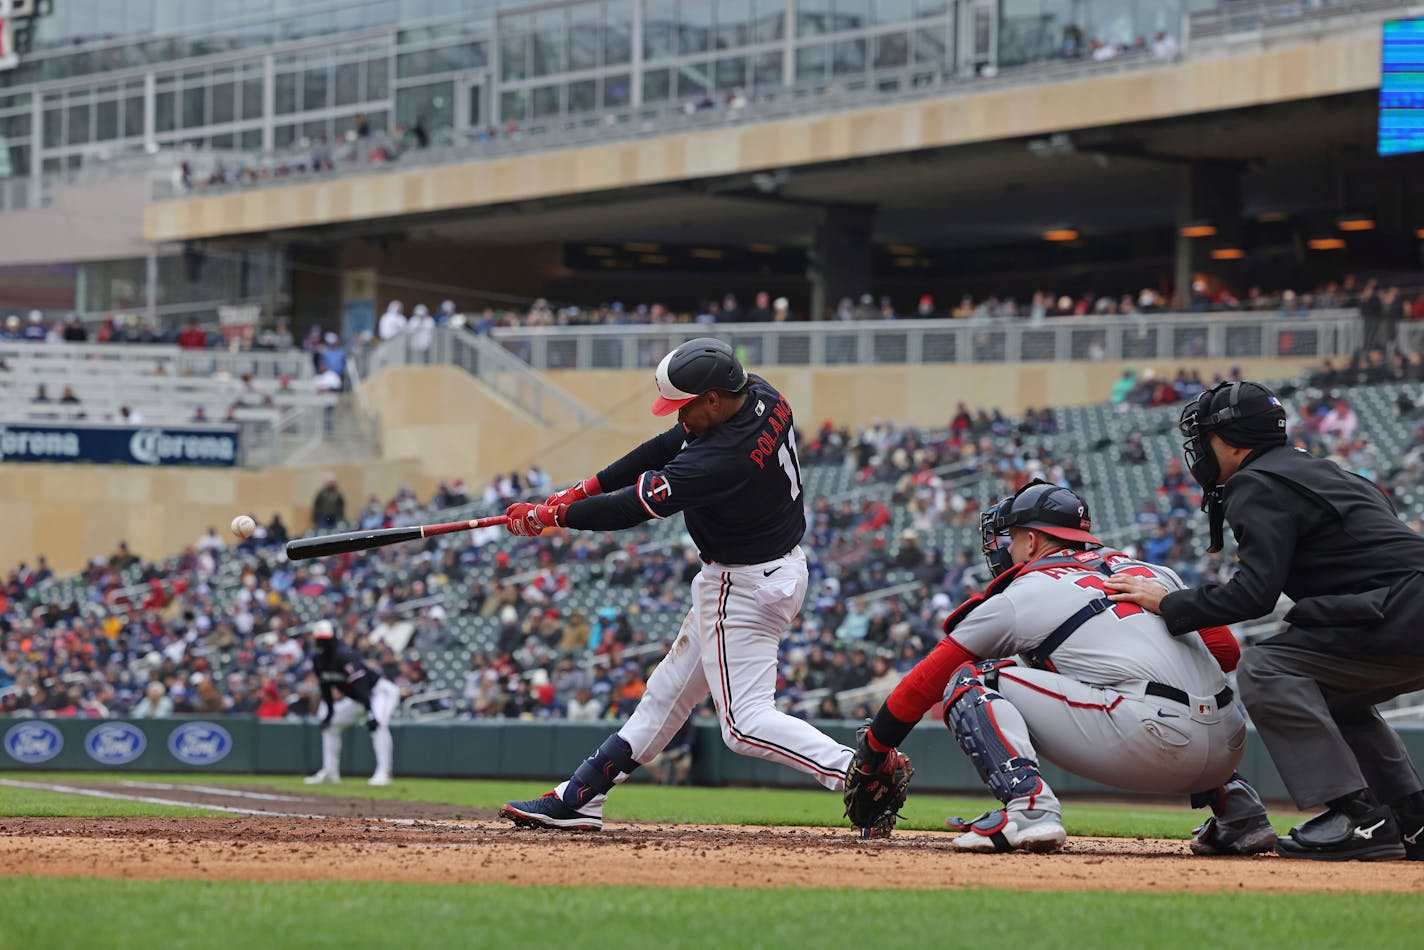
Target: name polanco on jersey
[{"x": 775, "y": 425}]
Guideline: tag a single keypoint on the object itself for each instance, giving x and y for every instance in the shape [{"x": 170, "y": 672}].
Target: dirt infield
[{"x": 284, "y": 837}]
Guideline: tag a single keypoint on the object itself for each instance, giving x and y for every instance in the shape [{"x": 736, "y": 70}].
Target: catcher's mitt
[{"x": 876, "y": 786}]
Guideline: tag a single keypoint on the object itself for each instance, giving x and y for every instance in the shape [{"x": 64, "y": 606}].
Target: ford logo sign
[
  {"x": 199, "y": 743},
  {"x": 33, "y": 742},
  {"x": 115, "y": 743}
]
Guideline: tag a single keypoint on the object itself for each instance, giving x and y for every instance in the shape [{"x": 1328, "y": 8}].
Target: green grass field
[{"x": 59, "y": 913}]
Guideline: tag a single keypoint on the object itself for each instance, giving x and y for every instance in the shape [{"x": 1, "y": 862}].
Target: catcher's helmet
[
  {"x": 1051, "y": 509},
  {"x": 696, "y": 367}
]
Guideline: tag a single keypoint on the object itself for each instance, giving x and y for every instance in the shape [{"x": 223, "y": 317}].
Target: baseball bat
[{"x": 304, "y": 548}]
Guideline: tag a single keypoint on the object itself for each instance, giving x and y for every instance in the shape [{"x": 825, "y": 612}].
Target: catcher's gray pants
[{"x": 1316, "y": 714}]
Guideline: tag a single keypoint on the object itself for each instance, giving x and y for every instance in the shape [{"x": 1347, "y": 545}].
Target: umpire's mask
[{"x": 1243, "y": 414}]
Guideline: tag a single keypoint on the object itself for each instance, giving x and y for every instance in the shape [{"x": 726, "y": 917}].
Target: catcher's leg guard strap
[
  {"x": 611, "y": 764},
  {"x": 967, "y": 714}
]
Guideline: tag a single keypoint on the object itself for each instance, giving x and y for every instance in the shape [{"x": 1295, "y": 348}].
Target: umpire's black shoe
[
  {"x": 1371, "y": 835},
  {"x": 1412, "y": 831}
]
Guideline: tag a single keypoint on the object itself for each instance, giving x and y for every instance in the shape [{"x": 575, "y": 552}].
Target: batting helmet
[
  {"x": 323, "y": 630},
  {"x": 696, "y": 367},
  {"x": 1051, "y": 509}
]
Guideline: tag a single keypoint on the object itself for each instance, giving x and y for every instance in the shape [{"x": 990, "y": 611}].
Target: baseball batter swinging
[
  {"x": 1102, "y": 692},
  {"x": 730, "y": 467}
]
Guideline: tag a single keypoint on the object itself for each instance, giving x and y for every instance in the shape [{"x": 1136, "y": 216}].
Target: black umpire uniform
[{"x": 1331, "y": 541}]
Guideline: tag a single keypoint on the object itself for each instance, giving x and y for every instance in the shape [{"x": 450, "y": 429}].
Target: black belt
[{"x": 1223, "y": 698}]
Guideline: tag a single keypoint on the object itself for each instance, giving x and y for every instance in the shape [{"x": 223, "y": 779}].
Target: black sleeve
[
  {"x": 1265, "y": 518},
  {"x": 651, "y": 455},
  {"x": 610, "y": 512},
  {"x": 888, "y": 730}
]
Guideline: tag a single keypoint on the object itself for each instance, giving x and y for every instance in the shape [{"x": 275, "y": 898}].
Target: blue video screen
[{"x": 1401, "y": 98}]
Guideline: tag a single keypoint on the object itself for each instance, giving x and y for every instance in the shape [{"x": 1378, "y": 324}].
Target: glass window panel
[
  {"x": 583, "y": 37},
  {"x": 252, "y": 99},
  {"x": 766, "y": 70},
  {"x": 77, "y": 131},
  {"x": 930, "y": 46},
  {"x": 316, "y": 93},
  {"x": 583, "y": 95},
  {"x": 733, "y": 23},
  {"x": 812, "y": 19},
  {"x": 893, "y": 11},
  {"x": 133, "y": 116},
  {"x": 15, "y": 126},
  {"x": 1112, "y": 22},
  {"x": 106, "y": 120},
  {"x": 693, "y": 81},
  {"x": 195, "y": 107},
  {"x": 19, "y": 160},
  {"x": 617, "y": 90},
  {"x": 550, "y": 37},
  {"x": 224, "y": 106},
  {"x": 811, "y": 61},
  {"x": 287, "y": 93},
  {"x": 694, "y": 25},
  {"x": 731, "y": 73},
  {"x": 928, "y": 8},
  {"x": 226, "y": 142},
  {"x": 659, "y": 29},
  {"x": 513, "y": 105},
  {"x": 544, "y": 102},
  {"x": 378, "y": 79},
  {"x": 657, "y": 85},
  {"x": 891, "y": 50},
  {"x": 512, "y": 56},
  {"x": 617, "y": 32},
  {"x": 769, "y": 20},
  {"x": 252, "y": 139},
  {"x": 284, "y": 136},
  {"x": 850, "y": 14},
  {"x": 163, "y": 111},
  {"x": 316, "y": 129},
  {"x": 348, "y": 84},
  {"x": 849, "y": 56},
  {"x": 432, "y": 103}
]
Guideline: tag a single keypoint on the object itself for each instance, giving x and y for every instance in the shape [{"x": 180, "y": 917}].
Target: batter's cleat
[
  {"x": 380, "y": 778},
  {"x": 1034, "y": 829},
  {"x": 1250, "y": 835},
  {"x": 322, "y": 776},
  {"x": 549, "y": 811},
  {"x": 1338, "y": 836}
]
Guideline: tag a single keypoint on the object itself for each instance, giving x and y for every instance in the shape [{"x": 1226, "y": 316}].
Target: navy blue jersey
[
  {"x": 738, "y": 486},
  {"x": 340, "y": 668}
]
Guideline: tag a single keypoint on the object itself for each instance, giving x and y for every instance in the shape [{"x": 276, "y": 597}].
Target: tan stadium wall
[
  {"x": 72, "y": 513},
  {"x": 1236, "y": 77}
]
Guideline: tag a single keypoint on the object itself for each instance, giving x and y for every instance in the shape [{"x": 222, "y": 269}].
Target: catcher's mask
[
  {"x": 1039, "y": 505},
  {"x": 1243, "y": 414}
]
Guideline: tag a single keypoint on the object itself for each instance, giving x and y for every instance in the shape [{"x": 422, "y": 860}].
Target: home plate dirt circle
[{"x": 366, "y": 840}]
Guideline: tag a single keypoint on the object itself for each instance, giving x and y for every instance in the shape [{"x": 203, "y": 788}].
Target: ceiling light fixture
[
  {"x": 1227, "y": 254},
  {"x": 1061, "y": 234}
]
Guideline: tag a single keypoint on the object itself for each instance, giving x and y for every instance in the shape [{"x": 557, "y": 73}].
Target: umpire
[{"x": 1330, "y": 541}]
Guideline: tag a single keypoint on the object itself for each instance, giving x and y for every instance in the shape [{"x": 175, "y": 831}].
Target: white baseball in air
[{"x": 243, "y": 526}]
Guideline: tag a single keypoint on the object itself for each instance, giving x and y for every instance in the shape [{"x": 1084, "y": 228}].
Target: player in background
[
  {"x": 1104, "y": 693},
  {"x": 363, "y": 690},
  {"x": 730, "y": 467}
]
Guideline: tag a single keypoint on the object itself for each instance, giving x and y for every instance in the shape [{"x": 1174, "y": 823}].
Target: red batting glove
[
  {"x": 584, "y": 489},
  {"x": 529, "y": 521}
]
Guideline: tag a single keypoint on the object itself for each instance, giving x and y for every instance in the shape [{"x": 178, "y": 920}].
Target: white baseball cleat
[
  {"x": 380, "y": 778},
  {"x": 322, "y": 776},
  {"x": 1035, "y": 829}
]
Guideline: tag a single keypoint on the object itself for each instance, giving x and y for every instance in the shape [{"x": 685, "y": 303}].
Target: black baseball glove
[{"x": 876, "y": 786}]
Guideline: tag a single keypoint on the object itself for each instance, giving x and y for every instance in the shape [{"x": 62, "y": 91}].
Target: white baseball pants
[
  {"x": 727, "y": 647},
  {"x": 385, "y": 697},
  {"x": 1142, "y": 744}
]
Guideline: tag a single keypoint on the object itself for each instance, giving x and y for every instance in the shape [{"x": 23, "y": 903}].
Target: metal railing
[
  {"x": 497, "y": 367},
  {"x": 1259, "y": 16},
  {"x": 171, "y": 360},
  {"x": 1162, "y": 336}
]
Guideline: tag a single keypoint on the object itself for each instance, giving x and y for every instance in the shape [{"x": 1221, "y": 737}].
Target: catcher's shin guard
[
  {"x": 610, "y": 765},
  {"x": 968, "y": 715}
]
